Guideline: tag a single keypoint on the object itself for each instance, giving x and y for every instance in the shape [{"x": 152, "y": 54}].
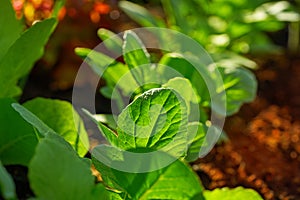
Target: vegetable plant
[
  {"x": 161, "y": 104},
  {"x": 49, "y": 138}
]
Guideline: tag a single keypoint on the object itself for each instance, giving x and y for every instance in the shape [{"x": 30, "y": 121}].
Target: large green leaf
[
  {"x": 155, "y": 119},
  {"x": 11, "y": 28},
  {"x": 22, "y": 54},
  {"x": 140, "y": 14},
  {"x": 18, "y": 138},
  {"x": 7, "y": 185},
  {"x": 176, "y": 181},
  {"x": 63, "y": 119},
  {"x": 232, "y": 194},
  {"x": 56, "y": 171},
  {"x": 184, "y": 87}
]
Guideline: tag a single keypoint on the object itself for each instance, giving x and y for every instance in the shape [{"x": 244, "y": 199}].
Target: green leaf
[
  {"x": 33, "y": 120},
  {"x": 18, "y": 138},
  {"x": 111, "y": 40},
  {"x": 7, "y": 185},
  {"x": 232, "y": 194},
  {"x": 187, "y": 70},
  {"x": 183, "y": 87},
  {"x": 11, "y": 28},
  {"x": 108, "y": 119},
  {"x": 22, "y": 54},
  {"x": 232, "y": 60},
  {"x": 56, "y": 171},
  {"x": 196, "y": 134},
  {"x": 240, "y": 85},
  {"x": 63, "y": 119},
  {"x": 109, "y": 69},
  {"x": 154, "y": 120},
  {"x": 176, "y": 181},
  {"x": 140, "y": 14},
  {"x": 106, "y": 132},
  {"x": 136, "y": 56},
  {"x": 57, "y": 6}
]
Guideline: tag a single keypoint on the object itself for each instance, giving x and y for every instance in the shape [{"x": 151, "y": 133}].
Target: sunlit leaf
[
  {"x": 63, "y": 119},
  {"x": 232, "y": 194},
  {"x": 22, "y": 54},
  {"x": 176, "y": 181},
  {"x": 56, "y": 172}
]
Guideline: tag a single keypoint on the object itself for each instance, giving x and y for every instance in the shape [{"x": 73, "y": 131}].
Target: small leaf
[
  {"x": 140, "y": 14},
  {"x": 7, "y": 185},
  {"x": 232, "y": 194},
  {"x": 18, "y": 138},
  {"x": 63, "y": 119},
  {"x": 106, "y": 132},
  {"x": 111, "y": 40},
  {"x": 240, "y": 85},
  {"x": 196, "y": 134},
  {"x": 135, "y": 55},
  {"x": 176, "y": 181},
  {"x": 111, "y": 70},
  {"x": 56, "y": 172},
  {"x": 108, "y": 119},
  {"x": 22, "y": 54}
]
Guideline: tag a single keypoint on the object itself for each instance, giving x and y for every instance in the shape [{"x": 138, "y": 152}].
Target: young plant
[
  {"x": 46, "y": 138},
  {"x": 174, "y": 181},
  {"x": 159, "y": 120}
]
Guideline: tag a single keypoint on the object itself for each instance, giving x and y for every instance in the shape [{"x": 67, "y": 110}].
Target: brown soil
[{"x": 264, "y": 148}]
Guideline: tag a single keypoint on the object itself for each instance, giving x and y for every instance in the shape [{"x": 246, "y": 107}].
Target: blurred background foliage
[{"x": 228, "y": 29}]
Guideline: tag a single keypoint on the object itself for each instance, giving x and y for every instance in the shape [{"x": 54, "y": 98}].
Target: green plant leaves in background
[
  {"x": 7, "y": 185},
  {"x": 186, "y": 69},
  {"x": 176, "y": 181},
  {"x": 22, "y": 54},
  {"x": 11, "y": 28},
  {"x": 63, "y": 119},
  {"x": 18, "y": 138},
  {"x": 111, "y": 40},
  {"x": 240, "y": 85},
  {"x": 140, "y": 14},
  {"x": 56, "y": 172},
  {"x": 136, "y": 56},
  {"x": 232, "y": 194}
]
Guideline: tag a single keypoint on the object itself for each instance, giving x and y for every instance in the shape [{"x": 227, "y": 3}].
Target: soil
[{"x": 264, "y": 148}]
